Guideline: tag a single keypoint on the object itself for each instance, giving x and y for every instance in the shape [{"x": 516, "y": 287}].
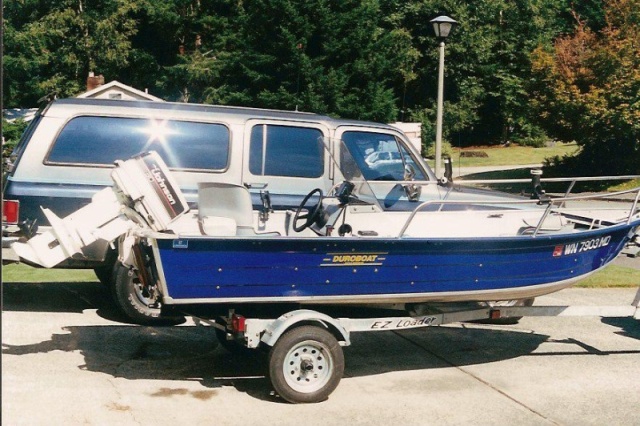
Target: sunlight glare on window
[{"x": 158, "y": 131}]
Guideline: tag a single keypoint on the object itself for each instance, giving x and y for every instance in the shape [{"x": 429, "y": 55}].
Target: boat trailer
[{"x": 306, "y": 361}]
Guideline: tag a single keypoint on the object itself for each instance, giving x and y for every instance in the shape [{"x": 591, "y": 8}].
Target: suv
[{"x": 67, "y": 153}]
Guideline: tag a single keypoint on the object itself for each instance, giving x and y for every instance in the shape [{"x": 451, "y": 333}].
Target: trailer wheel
[
  {"x": 306, "y": 364},
  {"x": 134, "y": 302}
]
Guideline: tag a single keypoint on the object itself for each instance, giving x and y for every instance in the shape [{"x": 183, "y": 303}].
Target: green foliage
[
  {"x": 447, "y": 150},
  {"x": 11, "y": 132},
  {"x": 364, "y": 59},
  {"x": 529, "y": 134},
  {"x": 589, "y": 90},
  {"x": 51, "y": 46}
]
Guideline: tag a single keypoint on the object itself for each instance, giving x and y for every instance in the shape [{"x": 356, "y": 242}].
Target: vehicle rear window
[
  {"x": 181, "y": 144},
  {"x": 286, "y": 151}
]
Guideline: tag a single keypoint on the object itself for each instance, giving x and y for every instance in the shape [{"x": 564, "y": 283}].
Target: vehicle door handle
[{"x": 255, "y": 185}]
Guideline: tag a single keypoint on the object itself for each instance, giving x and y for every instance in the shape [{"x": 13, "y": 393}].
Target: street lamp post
[{"x": 442, "y": 26}]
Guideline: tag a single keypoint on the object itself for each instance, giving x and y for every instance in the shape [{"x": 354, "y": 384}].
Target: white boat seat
[{"x": 226, "y": 209}]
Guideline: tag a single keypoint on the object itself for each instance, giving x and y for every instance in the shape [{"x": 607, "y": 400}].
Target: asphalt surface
[
  {"x": 628, "y": 261},
  {"x": 68, "y": 359}
]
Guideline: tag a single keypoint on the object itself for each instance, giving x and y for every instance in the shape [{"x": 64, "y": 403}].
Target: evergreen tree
[{"x": 51, "y": 46}]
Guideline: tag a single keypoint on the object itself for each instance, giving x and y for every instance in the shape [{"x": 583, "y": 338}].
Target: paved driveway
[{"x": 66, "y": 359}]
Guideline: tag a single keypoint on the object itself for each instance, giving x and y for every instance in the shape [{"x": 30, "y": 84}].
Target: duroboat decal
[{"x": 354, "y": 259}]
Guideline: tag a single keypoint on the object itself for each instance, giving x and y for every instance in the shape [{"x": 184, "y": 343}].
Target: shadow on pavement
[
  {"x": 193, "y": 353},
  {"x": 629, "y": 327},
  {"x": 71, "y": 297}
]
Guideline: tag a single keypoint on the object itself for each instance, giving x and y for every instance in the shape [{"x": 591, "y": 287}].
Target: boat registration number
[{"x": 582, "y": 246}]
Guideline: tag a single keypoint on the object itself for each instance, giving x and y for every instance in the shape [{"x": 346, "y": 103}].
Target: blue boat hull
[{"x": 356, "y": 270}]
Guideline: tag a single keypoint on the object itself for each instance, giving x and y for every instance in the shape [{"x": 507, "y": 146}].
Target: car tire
[{"x": 130, "y": 298}]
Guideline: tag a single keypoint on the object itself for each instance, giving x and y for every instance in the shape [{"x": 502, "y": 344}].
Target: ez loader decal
[
  {"x": 402, "y": 323},
  {"x": 581, "y": 246}
]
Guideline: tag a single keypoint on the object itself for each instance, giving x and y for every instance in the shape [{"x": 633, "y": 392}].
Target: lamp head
[{"x": 442, "y": 26}]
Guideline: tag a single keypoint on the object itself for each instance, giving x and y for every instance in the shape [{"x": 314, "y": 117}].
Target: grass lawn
[
  {"x": 612, "y": 276},
  {"x": 21, "y": 273},
  {"x": 626, "y": 185},
  {"x": 521, "y": 155},
  {"x": 514, "y": 154}
]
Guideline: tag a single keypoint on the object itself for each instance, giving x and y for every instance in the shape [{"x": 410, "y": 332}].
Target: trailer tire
[
  {"x": 131, "y": 300},
  {"x": 306, "y": 364}
]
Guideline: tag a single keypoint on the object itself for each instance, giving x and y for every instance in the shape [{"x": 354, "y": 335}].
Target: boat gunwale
[{"x": 549, "y": 202}]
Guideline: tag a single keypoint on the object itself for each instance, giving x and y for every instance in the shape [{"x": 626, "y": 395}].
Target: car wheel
[{"x": 134, "y": 300}]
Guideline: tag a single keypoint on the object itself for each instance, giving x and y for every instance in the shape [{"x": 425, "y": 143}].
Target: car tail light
[{"x": 10, "y": 211}]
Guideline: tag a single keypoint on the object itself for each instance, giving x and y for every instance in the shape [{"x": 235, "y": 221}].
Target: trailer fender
[{"x": 307, "y": 317}]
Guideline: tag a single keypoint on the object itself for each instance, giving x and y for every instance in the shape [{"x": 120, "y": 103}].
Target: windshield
[
  {"x": 380, "y": 156},
  {"x": 347, "y": 169}
]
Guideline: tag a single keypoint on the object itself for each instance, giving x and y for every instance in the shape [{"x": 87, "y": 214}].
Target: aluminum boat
[{"x": 341, "y": 246}]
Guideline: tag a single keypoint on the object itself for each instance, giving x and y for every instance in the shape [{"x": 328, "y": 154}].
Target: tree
[
  {"x": 50, "y": 46},
  {"x": 327, "y": 56},
  {"x": 364, "y": 59},
  {"x": 589, "y": 90},
  {"x": 487, "y": 68},
  {"x": 11, "y": 132}
]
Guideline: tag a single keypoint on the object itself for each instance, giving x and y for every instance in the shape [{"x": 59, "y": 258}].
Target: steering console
[{"x": 313, "y": 215}]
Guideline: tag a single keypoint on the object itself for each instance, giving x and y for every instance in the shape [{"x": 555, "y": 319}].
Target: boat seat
[{"x": 226, "y": 209}]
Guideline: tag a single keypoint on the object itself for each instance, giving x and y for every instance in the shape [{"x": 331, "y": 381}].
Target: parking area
[{"x": 68, "y": 359}]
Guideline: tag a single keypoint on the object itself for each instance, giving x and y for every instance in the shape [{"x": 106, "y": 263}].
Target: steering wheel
[{"x": 313, "y": 213}]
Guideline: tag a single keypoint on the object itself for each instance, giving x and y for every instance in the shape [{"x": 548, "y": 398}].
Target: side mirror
[
  {"x": 409, "y": 172},
  {"x": 413, "y": 191}
]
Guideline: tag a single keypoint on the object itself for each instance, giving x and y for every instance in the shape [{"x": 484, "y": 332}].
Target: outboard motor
[{"x": 143, "y": 195}]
